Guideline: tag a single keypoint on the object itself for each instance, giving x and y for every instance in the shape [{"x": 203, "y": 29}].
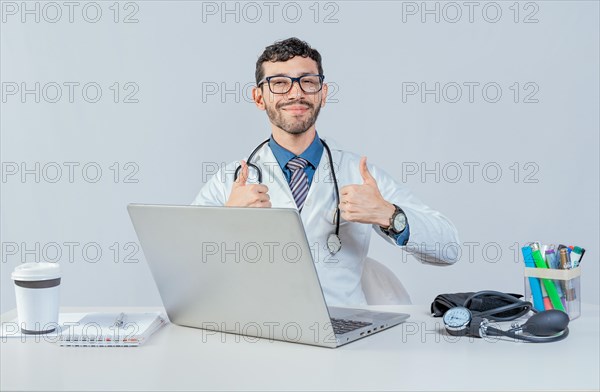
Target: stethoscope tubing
[{"x": 335, "y": 183}]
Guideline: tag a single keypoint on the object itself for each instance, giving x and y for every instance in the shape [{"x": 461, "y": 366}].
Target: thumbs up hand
[
  {"x": 364, "y": 173},
  {"x": 248, "y": 195},
  {"x": 364, "y": 203}
]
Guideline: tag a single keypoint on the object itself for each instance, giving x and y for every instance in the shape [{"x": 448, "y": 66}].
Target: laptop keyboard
[{"x": 341, "y": 326}]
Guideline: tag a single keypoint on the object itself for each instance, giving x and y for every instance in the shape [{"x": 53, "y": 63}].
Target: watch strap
[{"x": 390, "y": 229}]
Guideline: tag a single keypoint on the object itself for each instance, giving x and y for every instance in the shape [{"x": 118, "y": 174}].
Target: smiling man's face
[{"x": 294, "y": 112}]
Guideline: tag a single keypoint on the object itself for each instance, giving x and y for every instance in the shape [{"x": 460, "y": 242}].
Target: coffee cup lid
[{"x": 36, "y": 271}]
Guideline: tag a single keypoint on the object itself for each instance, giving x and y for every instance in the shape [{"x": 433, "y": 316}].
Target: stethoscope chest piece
[{"x": 334, "y": 244}]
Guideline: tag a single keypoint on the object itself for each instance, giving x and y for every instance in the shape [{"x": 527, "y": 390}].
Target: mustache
[{"x": 300, "y": 102}]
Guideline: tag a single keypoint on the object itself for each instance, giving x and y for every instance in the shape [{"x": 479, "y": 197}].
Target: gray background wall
[{"x": 139, "y": 101}]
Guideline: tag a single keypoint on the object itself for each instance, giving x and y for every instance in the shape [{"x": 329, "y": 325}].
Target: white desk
[{"x": 411, "y": 356}]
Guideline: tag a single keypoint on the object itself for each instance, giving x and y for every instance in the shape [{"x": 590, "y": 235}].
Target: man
[{"x": 296, "y": 173}]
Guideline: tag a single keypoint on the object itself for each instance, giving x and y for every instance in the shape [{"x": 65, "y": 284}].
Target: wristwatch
[{"x": 397, "y": 222}]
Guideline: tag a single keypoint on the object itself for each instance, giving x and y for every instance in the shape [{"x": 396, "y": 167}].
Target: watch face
[
  {"x": 457, "y": 317},
  {"x": 399, "y": 222}
]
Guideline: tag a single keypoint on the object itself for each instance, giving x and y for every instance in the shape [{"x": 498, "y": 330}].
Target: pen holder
[{"x": 554, "y": 289}]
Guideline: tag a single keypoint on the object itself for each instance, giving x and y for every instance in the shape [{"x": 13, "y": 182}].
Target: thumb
[
  {"x": 243, "y": 176},
  {"x": 364, "y": 173}
]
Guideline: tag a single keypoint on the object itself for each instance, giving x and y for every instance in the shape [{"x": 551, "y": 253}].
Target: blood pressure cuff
[{"x": 443, "y": 302}]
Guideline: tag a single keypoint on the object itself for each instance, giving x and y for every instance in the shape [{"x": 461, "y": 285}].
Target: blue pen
[{"x": 534, "y": 283}]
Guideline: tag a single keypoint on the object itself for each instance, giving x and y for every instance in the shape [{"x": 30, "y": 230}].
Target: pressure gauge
[{"x": 457, "y": 320}]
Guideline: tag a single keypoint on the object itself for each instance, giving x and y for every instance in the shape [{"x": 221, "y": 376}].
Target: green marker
[{"x": 548, "y": 284}]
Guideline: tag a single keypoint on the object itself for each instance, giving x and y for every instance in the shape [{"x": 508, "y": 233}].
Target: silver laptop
[{"x": 247, "y": 271}]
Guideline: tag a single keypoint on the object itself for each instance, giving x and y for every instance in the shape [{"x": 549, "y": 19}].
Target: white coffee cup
[{"x": 37, "y": 291}]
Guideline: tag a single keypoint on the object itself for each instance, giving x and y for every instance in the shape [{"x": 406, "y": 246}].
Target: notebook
[{"x": 112, "y": 329}]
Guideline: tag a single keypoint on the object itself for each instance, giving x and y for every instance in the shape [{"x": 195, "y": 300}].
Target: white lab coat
[{"x": 340, "y": 274}]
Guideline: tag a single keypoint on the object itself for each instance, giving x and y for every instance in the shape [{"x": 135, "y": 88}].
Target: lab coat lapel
[
  {"x": 274, "y": 179},
  {"x": 321, "y": 195}
]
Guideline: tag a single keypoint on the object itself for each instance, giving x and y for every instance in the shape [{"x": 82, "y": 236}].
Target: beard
[{"x": 293, "y": 126}]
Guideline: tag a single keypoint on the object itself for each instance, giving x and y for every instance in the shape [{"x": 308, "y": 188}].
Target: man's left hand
[{"x": 364, "y": 203}]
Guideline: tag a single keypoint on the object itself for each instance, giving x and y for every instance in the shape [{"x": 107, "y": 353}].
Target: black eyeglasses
[{"x": 310, "y": 84}]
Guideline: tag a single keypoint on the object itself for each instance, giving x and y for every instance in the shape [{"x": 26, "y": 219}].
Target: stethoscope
[{"x": 334, "y": 244}]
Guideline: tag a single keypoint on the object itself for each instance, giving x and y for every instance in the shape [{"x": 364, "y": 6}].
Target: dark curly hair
[{"x": 285, "y": 50}]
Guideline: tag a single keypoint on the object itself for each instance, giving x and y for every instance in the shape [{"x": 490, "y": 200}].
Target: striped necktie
[{"x": 299, "y": 180}]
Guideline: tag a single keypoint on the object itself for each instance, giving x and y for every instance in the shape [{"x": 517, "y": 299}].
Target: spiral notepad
[{"x": 112, "y": 329}]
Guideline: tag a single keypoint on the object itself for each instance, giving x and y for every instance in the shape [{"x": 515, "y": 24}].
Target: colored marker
[
  {"x": 564, "y": 257},
  {"x": 547, "y": 304},
  {"x": 543, "y": 249},
  {"x": 552, "y": 262},
  {"x": 548, "y": 284},
  {"x": 551, "y": 259},
  {"x": 576, "y": 256},
  {"x": 534, "y": 283},
  {"x": 565, "y": 263},
  {"x": 582, "y": 253}
]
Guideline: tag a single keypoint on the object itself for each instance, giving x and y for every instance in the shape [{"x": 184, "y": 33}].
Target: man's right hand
[{"x": 248, "y": 195}]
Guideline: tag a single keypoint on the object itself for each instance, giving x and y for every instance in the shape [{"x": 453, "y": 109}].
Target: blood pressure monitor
[
  {"x": 457, "y": 320},
  {"x": 542, "y": 327}
]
